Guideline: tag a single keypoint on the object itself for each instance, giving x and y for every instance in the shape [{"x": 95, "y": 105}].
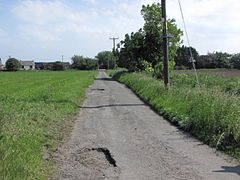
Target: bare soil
[{"x": 117, "y": 136}]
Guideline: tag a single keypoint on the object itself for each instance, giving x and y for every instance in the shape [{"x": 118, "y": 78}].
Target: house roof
[{"x": 27, "y": 63}]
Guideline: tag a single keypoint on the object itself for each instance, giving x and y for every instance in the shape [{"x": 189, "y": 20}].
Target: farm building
[
  {"x": 1, "y": 65},
  {"x": 27, "y": 65}
]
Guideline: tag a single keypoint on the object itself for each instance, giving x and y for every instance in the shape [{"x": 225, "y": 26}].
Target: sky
[{"x": 44, "y": 30}]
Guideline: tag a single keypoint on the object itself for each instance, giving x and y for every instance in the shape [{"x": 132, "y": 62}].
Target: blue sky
[{"x": 44, "y": 30}]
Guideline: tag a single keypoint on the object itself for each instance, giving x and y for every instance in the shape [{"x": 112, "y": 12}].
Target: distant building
[
  {"x": 1, "y": 65},
  {"x": 27, "y": 65}
]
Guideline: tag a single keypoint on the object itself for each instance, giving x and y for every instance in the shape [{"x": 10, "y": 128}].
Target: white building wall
[{"x": 27, "y": 68}]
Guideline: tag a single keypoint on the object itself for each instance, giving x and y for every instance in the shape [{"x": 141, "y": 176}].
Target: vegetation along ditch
[{"x": 211, "y": 112}]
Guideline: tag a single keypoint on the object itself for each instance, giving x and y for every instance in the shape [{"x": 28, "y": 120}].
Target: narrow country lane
[{"x": 117, "y": 136}]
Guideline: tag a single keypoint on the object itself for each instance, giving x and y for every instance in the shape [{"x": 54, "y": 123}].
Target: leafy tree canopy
[
  {"x": 106, "y": 60},
  {"x": 183, "y": 57},
  {"x": 146, "y": 44},
  {"x": 83, "y": 63},
  {"x": 13, "y": 64},
  {"x": 235, "y": 61},
  {"x": 214, "y": 60}
]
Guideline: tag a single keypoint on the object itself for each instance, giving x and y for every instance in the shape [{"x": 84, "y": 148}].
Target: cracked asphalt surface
[{"x": 117, "y": 136}]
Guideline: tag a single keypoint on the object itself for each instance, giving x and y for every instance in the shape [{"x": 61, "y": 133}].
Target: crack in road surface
[{"x": 116, "y": 136}]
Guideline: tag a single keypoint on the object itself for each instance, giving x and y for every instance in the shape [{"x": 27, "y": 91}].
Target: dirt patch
[{"x": 46, "y": 153}]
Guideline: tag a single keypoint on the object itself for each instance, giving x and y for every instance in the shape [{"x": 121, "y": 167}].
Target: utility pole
[
  {"x": 114, "y": 42},
  {"x": 114, "y": 47},
  {"x": 165, "y": 45}
]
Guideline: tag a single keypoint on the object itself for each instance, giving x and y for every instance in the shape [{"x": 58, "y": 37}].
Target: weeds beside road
[
  {"x": 34, "y": 108},
  {"x": 209, "y": 112}
]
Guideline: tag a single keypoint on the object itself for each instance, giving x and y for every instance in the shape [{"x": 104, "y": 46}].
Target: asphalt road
[{"x": 117, "y": 136}]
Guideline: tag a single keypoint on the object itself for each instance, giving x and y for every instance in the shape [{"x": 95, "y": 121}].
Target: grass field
[
  {"x": 34, "y": 109},
  {"x": 226, "y": 80},
  {"x": 210, "y": 112}
]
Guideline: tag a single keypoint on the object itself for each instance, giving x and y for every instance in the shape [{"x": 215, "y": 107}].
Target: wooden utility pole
[
  {"x": 114, "y": 48},
  {"x": 165, "y": 45},
  {"x": 114, "y": 42}
]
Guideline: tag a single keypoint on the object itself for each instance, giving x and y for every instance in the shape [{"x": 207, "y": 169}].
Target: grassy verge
[
  {"x": 34, "y": 108},
  {"x": 209, "y": 113}
]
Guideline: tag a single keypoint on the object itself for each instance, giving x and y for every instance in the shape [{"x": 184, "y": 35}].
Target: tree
[
  {"x": 235, "y": 61},
  {"x": 221, "y": 59},
  {"x": 153, "y": 40},
  {"x": 205, "y": 62},
  {"x": 13, "y": 64},
  {"x": 58, "y": 66},
  {"x": 131, "y": 54},
  {"x": 91, "y": 64},
  {"x": 183, "y": 57},
  {"x": 214, "y": 60},
  {"x": 83, "y": 63},
  {"x": 146, "y": 44},
  {"x": 106, "y": 60}
]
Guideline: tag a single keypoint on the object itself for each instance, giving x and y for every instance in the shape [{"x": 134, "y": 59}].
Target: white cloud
[
  {"x": 212, "y": 24},
  {"x": 209, "y": 25},
  {"x": 49, "y": 20}
]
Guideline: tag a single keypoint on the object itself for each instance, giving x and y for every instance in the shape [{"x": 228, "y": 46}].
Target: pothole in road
[{"x": 97, "y": 158}]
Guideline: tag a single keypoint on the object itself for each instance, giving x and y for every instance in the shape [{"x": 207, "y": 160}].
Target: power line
[{"x": 189, "y": 46}]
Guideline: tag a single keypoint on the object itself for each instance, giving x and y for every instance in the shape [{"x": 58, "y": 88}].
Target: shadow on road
[
  {"x": 229, "y": 169},
  {"x": 104, "y": 79},
  {"x": 112, "y": 105}
]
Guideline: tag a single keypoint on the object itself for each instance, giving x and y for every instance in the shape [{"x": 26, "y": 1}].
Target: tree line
[
  {"x": 104, "y": 59},
  {"x": 210, "y": 61},
  {"x": 142, "y": 50}
]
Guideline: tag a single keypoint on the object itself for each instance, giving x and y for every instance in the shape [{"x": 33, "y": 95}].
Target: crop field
[
  {"x": 226, "y": 80},
  {"x": 34, "y": 109},
  {"x": 214, "y": 72},
  {"x": 210, "y": 111}
]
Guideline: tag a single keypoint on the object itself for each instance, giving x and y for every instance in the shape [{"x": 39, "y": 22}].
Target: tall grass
[
  {"x": 34, "y": 109},
  {"x": 210, "y": 114}
]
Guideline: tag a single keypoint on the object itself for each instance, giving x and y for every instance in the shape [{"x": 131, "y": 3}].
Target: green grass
[
  {"x": 209, "y": 113},
  {"x": 35, "y": 108},
  {"x": 228, "y": 81}
]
